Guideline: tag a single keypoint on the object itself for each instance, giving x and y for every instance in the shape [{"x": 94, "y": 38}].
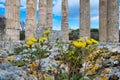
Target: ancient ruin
[
  {"x": 42, "y": 21},
  {"x": 103, "y": 20},
  {"x": 64, "y": 24},
  {"x": 12, "y": 20},
  {"x": 108, "y": 19},
  {"x": 85, "y": 18},
  {"x": 31, "y": 19}
]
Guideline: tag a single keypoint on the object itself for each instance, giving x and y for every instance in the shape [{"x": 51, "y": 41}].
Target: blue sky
[{"x": 73, "y": 13}]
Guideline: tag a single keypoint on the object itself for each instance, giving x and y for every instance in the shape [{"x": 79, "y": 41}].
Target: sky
[{"x": 73, "y": 13}]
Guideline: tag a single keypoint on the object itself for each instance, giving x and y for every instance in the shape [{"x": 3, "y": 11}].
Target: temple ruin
[{"x": 108, "y": 19}]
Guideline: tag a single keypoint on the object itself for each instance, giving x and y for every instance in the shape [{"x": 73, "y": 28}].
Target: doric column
[
  {"x": 31, "y": 19},
  {"x": 64, "y": 25},
  {"x": 102, "y": 20},
  {"x": 12, "y": 20},
  {"x": 42, "y": 20},
  {"x": 85, "y": 18},
  {"x": 113, "y": 20},
  {"x": 49, "y": 14}
]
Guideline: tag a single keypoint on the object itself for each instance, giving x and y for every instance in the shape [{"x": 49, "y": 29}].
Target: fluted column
[
  {"x": 42, "y": 20},
  {"x": 64, "y": 25},
  {"x": 102, "y": 20},
  {"x": 12, "y": 20},
  {"x": 113, "y": 19},
  {"x": 31, "y": 19},
  {"x": 9, "y": 19},
  {"x": 85, "y": 18},
  {"x": 49, "y": 14}
]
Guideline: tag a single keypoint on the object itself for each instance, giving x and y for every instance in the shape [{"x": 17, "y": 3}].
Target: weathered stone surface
[
  {"x": 31, "y": 19},
  {"x": 12, "y": 35},
  {"x": 54, "y": 35},
  {"x": 64, "y": 25},
  {"x": 10, "y": 72},
  {"x": 103, "y": 20},
  {"x": 42, "y": 21},
  {"x": 113, "y": 19},
  {"x": 2, "y": 27},
  {"x": 12, "y": 19},
  {"x": 49, "y": 14},
  {"x": 85, "y": 18}
]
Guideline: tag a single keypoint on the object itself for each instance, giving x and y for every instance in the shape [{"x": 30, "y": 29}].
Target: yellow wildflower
[
  {"x": 81, "y": 39},
  {"x": 94, "y": 41},
  {"x": 29, "y": 43},
  {"x": 46, "y": 77},
  {"x": 54, "y": 70},
  {"x": 11, "y": 58},
  {"x": 103, "y": 78},
  {"x": 32, "y": 65},
  {"x": 101, "y": 63},
  {"x": 32, "y": 39},
  {"x": 107, "y": 71},
  {"x": 116, "y": 57},
  {"x": 83, "y": 45},
  {"x": 94, "y": 68},
  {"x": 47, "y": 32},
  {"x": 42, "y": 39},
  {"x": 78, "y": 44},
  {"x": 34, "y": 73},
  {"x": 91, "y": 57},
  {"x": 88, "y": 41},
  {"x": 59, "y": 62},
  {"x": 72, "y": 53}
]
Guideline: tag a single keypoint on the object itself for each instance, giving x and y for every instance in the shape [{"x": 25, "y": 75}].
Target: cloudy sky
[{"x": 73, "y": 13}]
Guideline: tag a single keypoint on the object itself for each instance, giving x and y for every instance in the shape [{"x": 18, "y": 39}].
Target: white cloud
[
  {"x": 95, "y": 27},
  {"x": 74, "y": 27},
  {"x": 56, "y": 28},
  {"x": 2, "y": 6},
  {"x": 2, "y": 0},
  {"x": 72, "y": 4},
  {"x": 95, "y": 18},
  {"x": 57, "y": 8},
  {"x": 23, "y": 3}
]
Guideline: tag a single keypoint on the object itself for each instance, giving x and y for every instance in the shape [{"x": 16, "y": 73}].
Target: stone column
[
  {"x": 42, "y": 20},
  {"x": 12, "y": 20},
  {"x": 49, "y": 14},
  {"x": 64, "y": 25},
  {"x": 85, "y": 18},
  {"x": 113, "y": 20},
  {"x": 102, "y": 20},
  {"x": 31, "y": 19}
]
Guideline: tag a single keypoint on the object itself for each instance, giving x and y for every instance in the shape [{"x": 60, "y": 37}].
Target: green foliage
[
  {"x": 74, "y": 34},
  {"x": 73, "y": 55},
  {"x": 62, "y": 76},
  {"x": 19, "y": 63},
  {"x": 22, "y": 35},
  {"x": 94, "y": 34}
]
